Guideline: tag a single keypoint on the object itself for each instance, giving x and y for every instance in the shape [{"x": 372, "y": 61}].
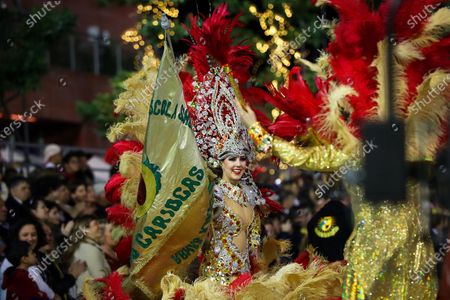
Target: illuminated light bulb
[
  {"x": 160, "y": 36},
  {"x": 155, "y": 23},
  {"x": 252, "y": 9},
  {"x": 297, "y": 55},
  {"x": 141, "y": 43},
  {"x": 287, "y": 10},
  {"x": 136, "y": 47}
]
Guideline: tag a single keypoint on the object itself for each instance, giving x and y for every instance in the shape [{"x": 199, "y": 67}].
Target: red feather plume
[
  {"x": 179, "y": 294},
  {"x": 120, "y": 215},
  {"x": 188, "y": 90},
  {"x": 113, "y": 287},
  {"x": 123, "y": 250},
  {"x": 113, "y": 188},
  {"x": 286, "y": 127},
  {"x": 352, "y": 53},
  {"x": 272, "y": 204},
  {"x": 213, "y": 39},
  {"x": 299, "y": 104},
  {"x": 242, "y": 281},
  {"x": 255, "y": 96},
  {"x": 116, "y": 150}
]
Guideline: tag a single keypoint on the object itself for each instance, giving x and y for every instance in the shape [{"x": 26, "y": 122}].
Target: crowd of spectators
[
  {"x": 302, "y": 194},
  {"x": 52, "y": 226}
]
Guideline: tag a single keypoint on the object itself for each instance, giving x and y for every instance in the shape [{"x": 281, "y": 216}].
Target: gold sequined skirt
[{"x": 390, "y": 252}]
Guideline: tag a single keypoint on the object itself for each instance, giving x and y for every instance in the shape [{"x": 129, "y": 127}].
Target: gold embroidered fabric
[
  {"x": 318, "y": 158},
  {"x": 324, "y": 158}
]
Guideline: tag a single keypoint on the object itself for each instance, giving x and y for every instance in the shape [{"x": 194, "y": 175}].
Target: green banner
[{"x": 172, "y": 221}]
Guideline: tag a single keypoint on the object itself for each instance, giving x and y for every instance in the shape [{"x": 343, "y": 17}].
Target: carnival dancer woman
[
  {"x": 235, "y": 227},
  {"x": 226, "y": 146},
  {"x": 235, "y": 230}
]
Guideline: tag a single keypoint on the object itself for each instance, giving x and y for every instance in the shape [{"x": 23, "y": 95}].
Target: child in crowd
[{"x": 16, "y": 281}]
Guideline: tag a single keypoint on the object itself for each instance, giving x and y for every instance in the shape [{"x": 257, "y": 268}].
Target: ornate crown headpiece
[
  {"x": 216, "y": 123},
  {"x": 215, "y": 119}
]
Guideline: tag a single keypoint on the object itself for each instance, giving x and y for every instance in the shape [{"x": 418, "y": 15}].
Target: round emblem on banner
[{"x": 149, "y": 186}]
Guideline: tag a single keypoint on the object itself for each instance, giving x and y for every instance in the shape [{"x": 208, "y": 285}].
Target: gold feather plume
[
  {"x": 436, "y": 27},
  {"x": 332, "y": 124},
  {"x": 404, "y": 53},
  {"x": 426, "y": 114}
]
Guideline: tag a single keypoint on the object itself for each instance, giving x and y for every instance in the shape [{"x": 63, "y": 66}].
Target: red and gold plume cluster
[
  {"x": 351, "y": 73},
  {"x": 212, "y": 44}
]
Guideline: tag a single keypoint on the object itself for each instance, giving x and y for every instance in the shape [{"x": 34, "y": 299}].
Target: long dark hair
[{"x": 14, "y": 233}]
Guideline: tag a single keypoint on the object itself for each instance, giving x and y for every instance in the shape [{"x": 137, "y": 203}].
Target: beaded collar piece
[{"x": 233, "y": 192}]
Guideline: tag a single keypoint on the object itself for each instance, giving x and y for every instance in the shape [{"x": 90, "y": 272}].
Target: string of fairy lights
[
  {"x": 151, "y": 13},
  {"x": 274, "y": 25}
]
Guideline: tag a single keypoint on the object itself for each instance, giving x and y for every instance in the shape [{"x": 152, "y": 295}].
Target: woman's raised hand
[{"x": 248, "y": 116}]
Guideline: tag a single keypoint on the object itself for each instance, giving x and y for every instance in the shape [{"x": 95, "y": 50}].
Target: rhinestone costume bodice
[{"x": 223, "y": 260}]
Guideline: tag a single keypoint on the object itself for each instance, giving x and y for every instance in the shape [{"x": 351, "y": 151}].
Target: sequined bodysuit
[{"x": 223, "y": 260}]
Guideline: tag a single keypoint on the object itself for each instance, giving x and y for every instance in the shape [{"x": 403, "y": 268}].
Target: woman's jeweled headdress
[
  {"x": 217, "y": 126},
  {"x": 215, "y": 118},
  {"x": 220, "y": 67}
]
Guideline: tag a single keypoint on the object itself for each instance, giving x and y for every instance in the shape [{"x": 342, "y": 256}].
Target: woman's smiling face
[{"x": 233, "y": 168}]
